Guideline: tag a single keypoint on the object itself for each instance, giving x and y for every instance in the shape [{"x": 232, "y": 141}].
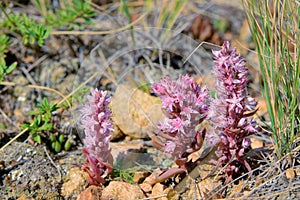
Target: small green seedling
[
  {"x": 72, "y": 16},
  {"x": 4, "y": 69},
  {"x": 30, "y": 30},
  {"x": 57, "y": 144},
  {"x": 41, "y": 121}
]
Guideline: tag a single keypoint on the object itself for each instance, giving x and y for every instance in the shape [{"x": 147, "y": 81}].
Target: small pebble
[
  {"x": 256, "y": 143},
  {"x": 290, "y": 173},
  {"x": 139, "y": 176}
]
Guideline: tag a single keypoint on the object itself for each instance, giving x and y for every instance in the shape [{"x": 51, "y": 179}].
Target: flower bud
[{"x": 246, "y": 143}]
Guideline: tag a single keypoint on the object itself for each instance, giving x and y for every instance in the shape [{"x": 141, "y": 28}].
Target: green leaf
[
  {"x": 47, "y": 116},
  {"x": 46, "y": 127},
  {"x": 37, "y": 138},
  {"x": 52, "y": 138},
  {"x": 41, "y": 42},
  {"x": 38, "y": 119},
  {"x": 24, "y": 126},
  {"x": 67, "y": 145},
  {"x": 88, "y": 21},
  {"x": 45, "y": 102},
  {"x": 57, "y": 147},
  {"x": 61, "y": 138},
  {"x": 40, "y": 107},
  {"x": 31, "y": 39},
  {"x": 11, "y": 68},
  {"x": 53, "y": 145},
  {"x": 35, "y": 112},
  {"x": 2, "y": 71},
  {"x": 53, "y": 107}
]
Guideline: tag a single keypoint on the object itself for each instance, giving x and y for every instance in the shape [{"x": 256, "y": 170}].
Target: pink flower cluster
[
  {"x": 230, "y": 110},
  {"x": 97, "y": 127},
  {"x": 185, "y": 105}
]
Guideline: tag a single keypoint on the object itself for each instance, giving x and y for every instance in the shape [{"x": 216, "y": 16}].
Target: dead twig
[
  {"x": 37, "y": 62},
  {"x": 7, "y": 118}
]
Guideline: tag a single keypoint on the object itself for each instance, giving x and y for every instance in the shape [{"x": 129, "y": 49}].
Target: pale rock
[
  {"x": 146, "y": 187},
  {"x": 91, "y": 193},
  {"x": 75, "y": 182},
  {"x": 117, "y": 133},
  {"x": 140, "y": 176},
  {"x": 153, "y": 177},
  {"x": 240, "y": 46},
  {"x": 117, "y": 190},
  {"x": 256, "y": 143},
  {"x": 290, "y": 173},
  {"x": 262, "y": 107},
  {"x": 136, "y": 113},
  {"x": 245, "y": 34},
  {"x": 158, "y": 190}
]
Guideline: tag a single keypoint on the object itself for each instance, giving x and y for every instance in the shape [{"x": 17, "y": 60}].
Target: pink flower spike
[
  {"x": 229, "y": 111},
  {"x": 97, "y": 127}
]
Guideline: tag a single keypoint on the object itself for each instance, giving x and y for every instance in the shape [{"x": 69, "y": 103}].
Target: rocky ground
[{"x": 126, "y": 67}]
